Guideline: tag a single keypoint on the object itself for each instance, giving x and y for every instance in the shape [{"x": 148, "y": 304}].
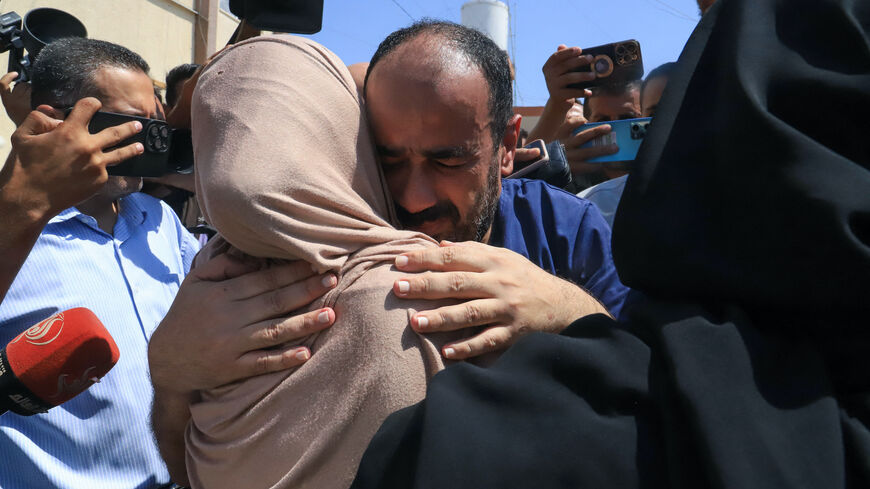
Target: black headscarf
[
  {"x": 753, "y": 186},
  {"x": 746, "y": 225}
]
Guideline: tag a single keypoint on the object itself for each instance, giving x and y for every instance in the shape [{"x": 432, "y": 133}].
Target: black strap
[{"x": 14, "y": 396}]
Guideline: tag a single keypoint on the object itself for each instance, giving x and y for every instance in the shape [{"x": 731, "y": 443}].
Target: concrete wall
[{"x": 161, "y": 31}]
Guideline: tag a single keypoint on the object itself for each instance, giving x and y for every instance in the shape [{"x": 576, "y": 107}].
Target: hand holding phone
[
  {"x": 524, "y": 167},
  {"x": 563, "y": 69},
  {"x": 625, "y": 136},
  {"x": 618, "y": 62}
]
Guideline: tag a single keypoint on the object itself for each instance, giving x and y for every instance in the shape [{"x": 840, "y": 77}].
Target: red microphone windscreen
[{"x": 62, "y": 355}]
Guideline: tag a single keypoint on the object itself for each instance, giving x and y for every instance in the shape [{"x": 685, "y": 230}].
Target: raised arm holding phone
[{"x": 53, "y": 165}]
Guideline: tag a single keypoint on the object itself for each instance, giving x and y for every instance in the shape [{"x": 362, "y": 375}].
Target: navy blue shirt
[{"x": 562, "y": 234}]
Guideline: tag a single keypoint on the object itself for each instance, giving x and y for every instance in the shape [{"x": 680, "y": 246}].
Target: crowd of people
[{"x": 382, "y": 306}]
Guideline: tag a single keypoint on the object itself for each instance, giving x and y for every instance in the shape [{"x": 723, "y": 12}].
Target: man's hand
[
  {"x": 505, "y": 292},
  {"x": 558, "y": 73},
  {"x": 53, "y": 165},
  {"x": 56, "y": 164},
  {"x": 578, "y": 157},
  {"x": 16, "y": 100},
  {"x": 574, "y": 118},
  {"x": 229, "y": 322}
]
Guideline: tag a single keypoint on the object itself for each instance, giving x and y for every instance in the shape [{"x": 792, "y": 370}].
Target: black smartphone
[
  {"x": 155, "y": 136},
  {"x": 614, "y": 63},
  {"x": 524, "y": 168}
]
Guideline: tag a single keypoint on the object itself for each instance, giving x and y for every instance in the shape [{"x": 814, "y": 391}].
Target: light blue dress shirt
[
  {"x": 606, "y": 196},
  {"x": 101, "y": 438}
]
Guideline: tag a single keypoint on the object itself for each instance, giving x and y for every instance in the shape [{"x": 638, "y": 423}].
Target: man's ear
[{"x": 509, "y": 142}]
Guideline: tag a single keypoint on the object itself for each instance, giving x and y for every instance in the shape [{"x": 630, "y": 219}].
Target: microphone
[{"x": 54, "y": 361}]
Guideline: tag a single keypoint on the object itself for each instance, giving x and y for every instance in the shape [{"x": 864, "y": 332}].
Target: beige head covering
[{"x": 286, "y": 170}]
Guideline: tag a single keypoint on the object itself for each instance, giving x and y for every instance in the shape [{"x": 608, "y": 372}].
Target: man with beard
[
  {"x": 439, "y": 103},
  {"x": 119, "y": 253},
  {"x": 745, "y": 363}
]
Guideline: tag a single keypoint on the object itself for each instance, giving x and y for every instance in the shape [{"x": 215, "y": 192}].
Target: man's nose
[{"x": 416, "y": 191}]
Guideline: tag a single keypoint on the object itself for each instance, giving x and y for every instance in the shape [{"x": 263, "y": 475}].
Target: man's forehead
[
  {"x": 427, "y": 59},
  {"x": 125, "y": 90}
]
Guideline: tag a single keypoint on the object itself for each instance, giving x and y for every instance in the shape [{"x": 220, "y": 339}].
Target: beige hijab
[{"x": 286, "y": 170}]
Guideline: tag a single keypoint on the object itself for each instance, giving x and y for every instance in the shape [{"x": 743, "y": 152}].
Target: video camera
[{"x": 40, "y": 27}]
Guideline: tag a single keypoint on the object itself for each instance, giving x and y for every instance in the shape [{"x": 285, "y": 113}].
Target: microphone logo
[
  {"x": 43, "y": 332},
  {"x": 76, "y": 386}
]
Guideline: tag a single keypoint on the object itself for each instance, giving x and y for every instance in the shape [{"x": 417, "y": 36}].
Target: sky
[{"x": 353, "y": 29}]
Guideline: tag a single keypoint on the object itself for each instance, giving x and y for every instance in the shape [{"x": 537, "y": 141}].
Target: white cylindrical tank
[{"x": 490, "y": 17}]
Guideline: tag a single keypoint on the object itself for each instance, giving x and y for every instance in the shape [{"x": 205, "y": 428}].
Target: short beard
[
  {"x": 486, "y": 203},
  {"x": 479, "y": 218}
]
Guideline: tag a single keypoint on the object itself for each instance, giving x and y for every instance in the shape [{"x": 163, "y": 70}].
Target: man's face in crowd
[
  {"x": 429, "y": 112},
  {"x": 652, "y": 94},
  {"x": 130, "y": 92},
  {"x": 606, "y": 107}
]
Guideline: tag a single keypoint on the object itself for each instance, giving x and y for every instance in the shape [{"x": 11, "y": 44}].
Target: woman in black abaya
[{"x": 746, "y": 225}]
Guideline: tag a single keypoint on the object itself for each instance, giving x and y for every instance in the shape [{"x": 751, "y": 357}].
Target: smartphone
[
  {"x": 522, "y": 169},
  {"x": 614, "y": 63},
  {"x": 155, "y": 136},
  {"x": 628, "y": 134}
]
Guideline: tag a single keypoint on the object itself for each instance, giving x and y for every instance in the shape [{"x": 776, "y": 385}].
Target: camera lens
[{"x": 601, "y": 66}]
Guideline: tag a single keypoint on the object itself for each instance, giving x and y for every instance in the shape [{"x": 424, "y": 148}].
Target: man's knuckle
[
  {"x": 273, "y": 330},
  {"x": 274, "y": 303},
  {"x": 448, "y": 255},
  {"x": 457, "y": 282},
  {"x": 270, "y": 278},
  {"x": 423, "y": 284},
  {"x": 472, "y": 314},
  {"x": 261, "y": 364},
  {"x": 444, "y": 318}
]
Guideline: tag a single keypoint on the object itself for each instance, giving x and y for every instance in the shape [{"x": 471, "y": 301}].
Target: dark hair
[
  {"x": 611, "y": 90},
  {"x": 662, "y": 70},
  {"x": 615, "y": 89},
  {"x": 65, "y": 69},
  {"x": 479, "y": 49},
  {"x": 175, "y": 75}
]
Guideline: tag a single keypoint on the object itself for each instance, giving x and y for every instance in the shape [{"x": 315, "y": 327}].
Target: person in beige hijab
[{"x": 286, "y": 171}]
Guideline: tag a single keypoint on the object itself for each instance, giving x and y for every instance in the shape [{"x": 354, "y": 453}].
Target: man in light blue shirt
[{"x": 121, "y": 254}]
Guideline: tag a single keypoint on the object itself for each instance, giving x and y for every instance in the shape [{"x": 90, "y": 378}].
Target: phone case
[
  {"x": 521, "y": 170},
  {"x": 155, "y": 136},
  {"x": 614, "y": 63},
  {"x": 628, "y": 134}
]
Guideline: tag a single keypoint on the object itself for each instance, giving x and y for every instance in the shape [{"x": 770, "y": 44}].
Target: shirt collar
[{"x": 132, "y": 213}]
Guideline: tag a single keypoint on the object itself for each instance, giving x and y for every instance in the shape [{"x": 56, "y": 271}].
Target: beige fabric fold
[{"x": 286, "y": 170}]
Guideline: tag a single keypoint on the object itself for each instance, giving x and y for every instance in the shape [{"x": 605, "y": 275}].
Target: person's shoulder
[
  {"x": 612, "y": 186},
  {"x": 559, "y": 200}
]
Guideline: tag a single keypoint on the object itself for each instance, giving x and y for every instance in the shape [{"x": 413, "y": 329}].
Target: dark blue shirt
[{"x": 562, "y": 234}]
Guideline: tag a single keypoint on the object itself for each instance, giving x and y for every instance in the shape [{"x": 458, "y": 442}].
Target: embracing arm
[
  {"x": 504, "y": 292},
  {"x": 238, "y": 335}
]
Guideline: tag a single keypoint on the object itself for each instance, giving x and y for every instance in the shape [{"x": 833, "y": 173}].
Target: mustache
[{"x": 437, "y": 211}]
